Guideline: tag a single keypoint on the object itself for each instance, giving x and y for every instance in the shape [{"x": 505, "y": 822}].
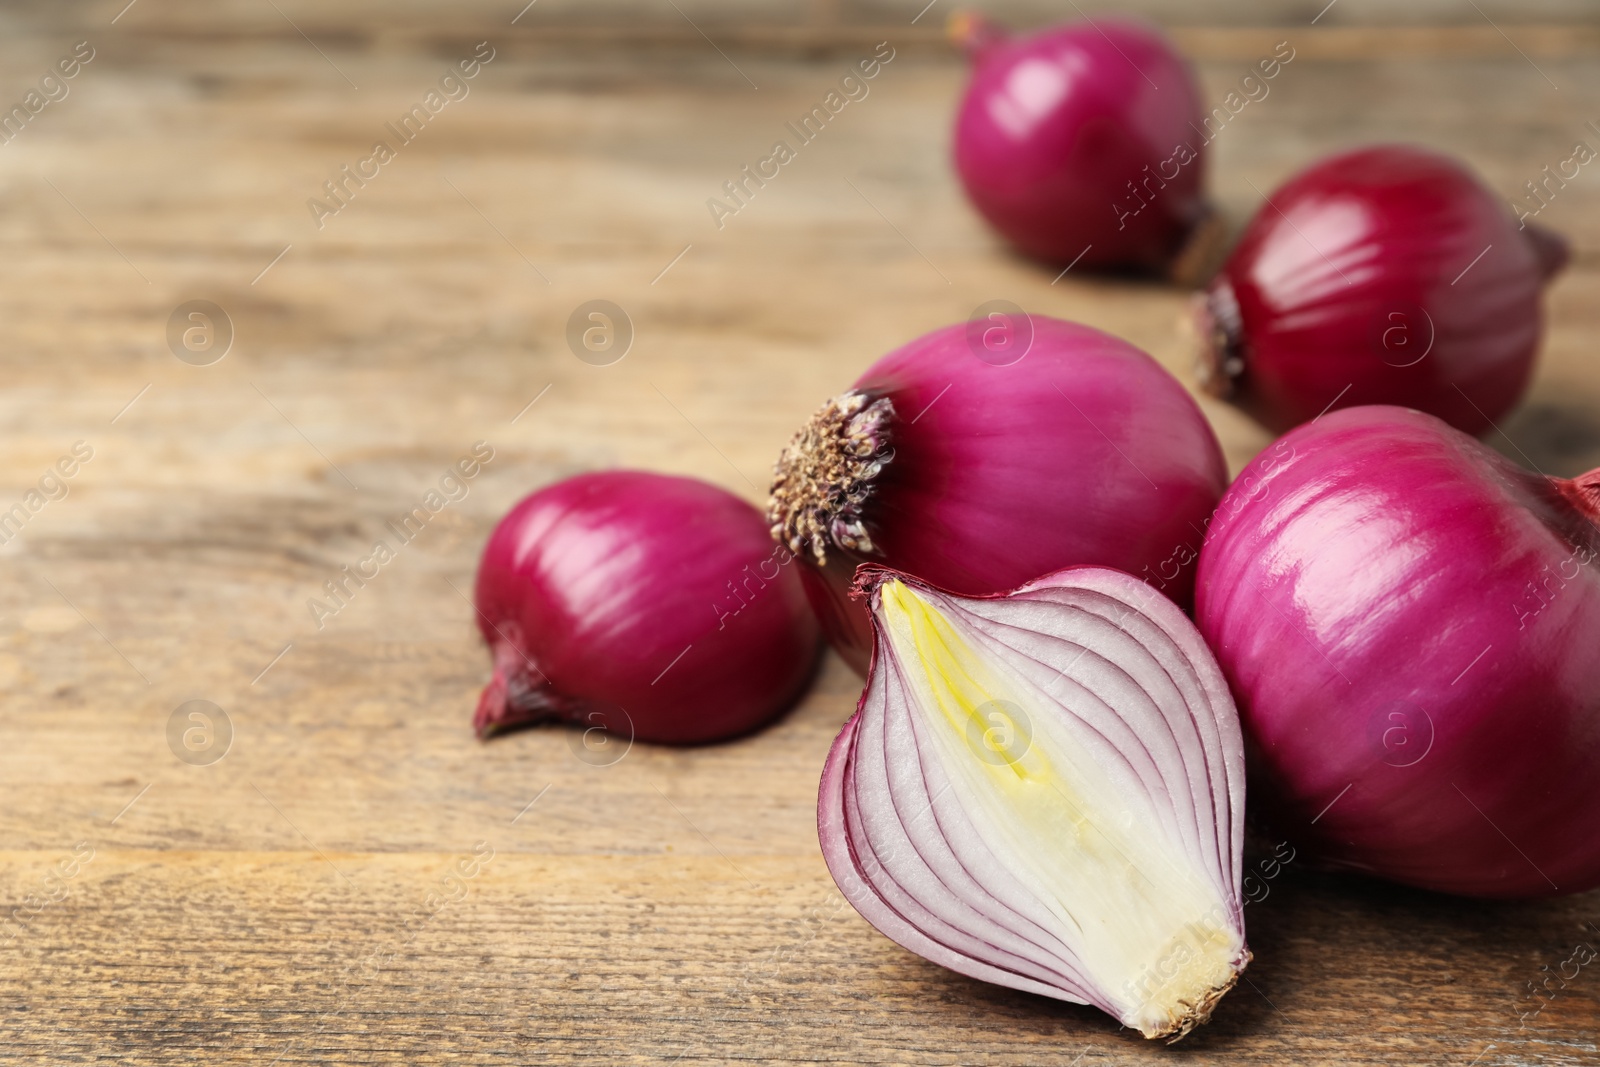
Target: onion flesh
[{"x": 1044, "y": 789}]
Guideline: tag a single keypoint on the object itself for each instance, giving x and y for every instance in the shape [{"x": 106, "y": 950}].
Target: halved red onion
[{"x": 1044, "y": 789}]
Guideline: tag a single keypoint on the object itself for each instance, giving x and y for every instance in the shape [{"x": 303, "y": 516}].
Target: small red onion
[
  {"x": 1045, "y": 790},
  {"x": 1387, "y": 275},
  {"x": 1409, "y": 622},
  {"x": 652, "y": 606},
  {"x": 1083, "y": 141},
  {"x": 980, "y": 475}
]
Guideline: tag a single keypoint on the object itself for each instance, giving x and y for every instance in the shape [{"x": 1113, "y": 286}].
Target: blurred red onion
[{"x": 1082, "y": 140}]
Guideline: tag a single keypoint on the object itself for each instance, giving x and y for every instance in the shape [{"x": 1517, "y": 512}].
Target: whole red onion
[
  {"x": 649, "y": 605},
  {"x": 1409, "y": 623},
  {"x": 1387, "y": 275},
  {"x": 1083, "y": 140},
  {"x": 977, "y": 474}
]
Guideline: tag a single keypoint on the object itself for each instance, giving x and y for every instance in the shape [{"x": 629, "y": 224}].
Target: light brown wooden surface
[{"x": 280, "y": 904}]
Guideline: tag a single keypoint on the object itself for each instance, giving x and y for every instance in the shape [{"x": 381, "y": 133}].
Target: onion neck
[
  {"x": 974, "y": 34},
  {"x": 517, "y": 694},
  {"x": 1202, "y": 251},
  {"x": 823, "y": 480},
  {"x": 1550, "y": 247},
  {"x": 1583, "y": 493},
  {"x": 1220, "y": 364}
]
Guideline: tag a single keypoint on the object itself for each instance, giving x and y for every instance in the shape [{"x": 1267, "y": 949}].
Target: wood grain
[{"x": 284, "y": 903}]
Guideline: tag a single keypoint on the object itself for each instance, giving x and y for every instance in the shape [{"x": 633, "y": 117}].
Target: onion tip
[
  {"x": 1583, "y": 493},
  {"x": 1552, "y": 249},
  {"x": 869, "y": 576},
  {"x": 973, "y": 33},
  {"x": 493, "y": 709},
  {"x": 517, "y": 695},
  {"x": 1202, "y": 253}
]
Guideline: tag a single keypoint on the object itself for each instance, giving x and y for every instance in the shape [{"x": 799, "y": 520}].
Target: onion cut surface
[{"x": 1044, "y": 789}]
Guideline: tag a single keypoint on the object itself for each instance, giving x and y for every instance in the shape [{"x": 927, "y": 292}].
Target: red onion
[
  {"x": 979, "y": 475},
  {"x": 1082, "y": 143},
  {"x": 1386, "y": 275},
  {"x": 652, "y": 606},
  {"x": 1409, "y": 623},
  {"x": 1076, "y": 748}
]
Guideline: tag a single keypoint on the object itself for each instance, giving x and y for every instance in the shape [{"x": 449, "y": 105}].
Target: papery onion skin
[
  {"x": 1409, "y": 623},
  {"x": 1063, "y": 134},
  {"x": 1386, "y": 275},
  {"x": 653, "y": 606},
  {"x": 1084, "y": 451},
  {"x": 1194, "y": 764}
]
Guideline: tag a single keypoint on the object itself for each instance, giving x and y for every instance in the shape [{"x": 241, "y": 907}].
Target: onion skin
[
  {"x": 1361, "y": 282},
  {"x": 1085, "y": 451},
  {"x": 591, "y": 588},
  {"x": 1378, "y": 580},
  {"x": 1056, "y": 131}
]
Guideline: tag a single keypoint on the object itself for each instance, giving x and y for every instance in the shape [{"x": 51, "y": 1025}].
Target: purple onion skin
[
  {"x": 1409, "y": 623},
  {"x": 1055, "y": 126},
  {"x": 603, "y": 579},
  {"x": 1086, "y": 451},
  {"x": 1361, "y": 282}
]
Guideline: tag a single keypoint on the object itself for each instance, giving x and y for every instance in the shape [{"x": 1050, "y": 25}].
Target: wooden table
[{"x": 288, "y": 903}]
